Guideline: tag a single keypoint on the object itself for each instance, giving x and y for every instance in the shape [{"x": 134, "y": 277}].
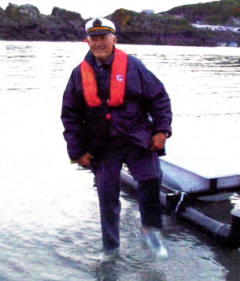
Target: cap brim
[{"x": 98, "y": 32}]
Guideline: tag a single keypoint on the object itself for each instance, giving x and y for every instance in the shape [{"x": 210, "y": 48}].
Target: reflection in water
[{"x": 48, "y": 209}]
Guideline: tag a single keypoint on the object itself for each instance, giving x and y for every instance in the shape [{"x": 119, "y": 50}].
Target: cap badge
[{"x": 97, "y": 23}]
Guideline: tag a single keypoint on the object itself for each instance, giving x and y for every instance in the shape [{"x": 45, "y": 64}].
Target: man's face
[{"x": 101, "y": 46}]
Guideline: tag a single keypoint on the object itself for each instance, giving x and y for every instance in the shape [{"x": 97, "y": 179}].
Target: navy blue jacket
[{"x": 146, "y": 110}]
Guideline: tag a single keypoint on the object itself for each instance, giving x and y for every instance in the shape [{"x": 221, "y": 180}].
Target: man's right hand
[{"x": 84, "y": 160}]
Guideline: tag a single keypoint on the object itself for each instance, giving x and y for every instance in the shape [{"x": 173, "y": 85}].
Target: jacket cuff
[{"x": 167, "y": 133}]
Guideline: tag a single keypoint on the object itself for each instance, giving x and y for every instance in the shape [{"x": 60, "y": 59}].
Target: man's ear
[
  {"x": 87, "y": 39},
  {"x": 115, "y": 39}
]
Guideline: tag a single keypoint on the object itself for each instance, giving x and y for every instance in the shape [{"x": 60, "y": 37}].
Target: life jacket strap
[{"x": 117, "y": 81}]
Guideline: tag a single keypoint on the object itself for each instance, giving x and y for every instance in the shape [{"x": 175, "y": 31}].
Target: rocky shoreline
[{"x": 25, "y": 22}]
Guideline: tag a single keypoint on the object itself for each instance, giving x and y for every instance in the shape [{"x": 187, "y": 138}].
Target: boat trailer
[{"x": 181, "y": 187}]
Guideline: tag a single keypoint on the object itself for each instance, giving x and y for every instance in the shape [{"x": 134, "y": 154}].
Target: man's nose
[{"x": 98, "y": 41}]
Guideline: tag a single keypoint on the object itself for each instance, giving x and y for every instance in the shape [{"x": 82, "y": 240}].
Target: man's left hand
[{"x": 158, "y": 141}]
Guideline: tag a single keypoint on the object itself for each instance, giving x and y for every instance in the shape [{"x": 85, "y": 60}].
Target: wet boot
[{"x": 154, "y": 243}]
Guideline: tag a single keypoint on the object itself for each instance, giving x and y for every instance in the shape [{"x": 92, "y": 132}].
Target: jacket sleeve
[
  {"x": 72, "y": 116},
  {"x": 157, "y": 101}
]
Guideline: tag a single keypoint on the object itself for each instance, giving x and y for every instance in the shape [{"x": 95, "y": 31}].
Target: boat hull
[{"x": 205, "y": 188}]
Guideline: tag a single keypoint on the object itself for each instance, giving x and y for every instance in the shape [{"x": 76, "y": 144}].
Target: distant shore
[{"x": 25, "y": 22}]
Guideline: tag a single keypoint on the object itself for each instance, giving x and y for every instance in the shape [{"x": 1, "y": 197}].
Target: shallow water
[{"x": 48, "y": 208}]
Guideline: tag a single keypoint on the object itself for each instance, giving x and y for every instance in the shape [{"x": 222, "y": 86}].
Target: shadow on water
[
  {"x": 224, "y": 260},
  {"x": 192, "y": 254},
  {"x": 228, "y": 258}
]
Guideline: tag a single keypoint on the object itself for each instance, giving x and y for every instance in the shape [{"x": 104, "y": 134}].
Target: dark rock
[
  {"x": 16, "y": 11},
  {"x": 66, "y": 15},
  {"x": 26, "y": 23}
]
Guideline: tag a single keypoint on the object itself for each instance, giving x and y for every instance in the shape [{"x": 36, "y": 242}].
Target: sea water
[{"x": 49, "y": 218}]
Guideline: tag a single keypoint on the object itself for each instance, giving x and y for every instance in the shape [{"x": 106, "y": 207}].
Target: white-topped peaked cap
[{"x": 99, "y": 26}]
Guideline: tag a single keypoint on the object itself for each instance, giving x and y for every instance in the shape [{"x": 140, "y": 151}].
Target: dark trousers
[{"x": 144, "y": 167}]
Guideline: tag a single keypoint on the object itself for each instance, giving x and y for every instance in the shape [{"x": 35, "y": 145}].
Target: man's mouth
[{"x": 99, "y": 49}]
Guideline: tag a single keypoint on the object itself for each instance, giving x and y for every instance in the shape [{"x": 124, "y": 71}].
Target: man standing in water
[{"x": 116, "y": 111}]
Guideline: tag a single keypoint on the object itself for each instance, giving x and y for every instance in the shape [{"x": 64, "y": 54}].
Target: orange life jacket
[{"x": 117, "y": 81}]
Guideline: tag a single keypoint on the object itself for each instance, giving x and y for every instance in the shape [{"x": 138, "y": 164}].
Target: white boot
[{"x": 154, "y": 243}]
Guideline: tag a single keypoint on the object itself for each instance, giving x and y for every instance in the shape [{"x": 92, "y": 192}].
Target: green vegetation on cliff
[
  {"x": 217, "y": 12},
  {"x": 157, "y": 28},
  {"x": 129, "y": 21}
]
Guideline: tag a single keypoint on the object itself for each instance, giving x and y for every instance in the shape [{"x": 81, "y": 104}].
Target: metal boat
[{"x": 182, "y": 187}]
